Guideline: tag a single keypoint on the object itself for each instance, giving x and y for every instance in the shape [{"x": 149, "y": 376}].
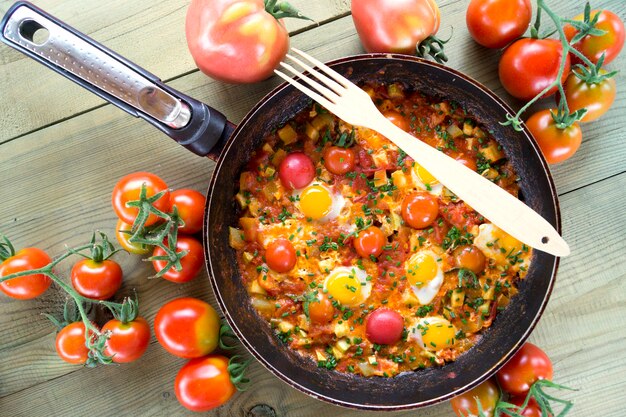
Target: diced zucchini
[
  {"x": 321, "y": 121},
  {"x": 372, "y": 360},
  {"x": 484, "y": 308},
  {"x": 367, "y": 369},
  {"x": 490, "y": 173},
  {"x": 311, "y": 132},
  {"x": 285, "y": 326},
  {"x": 255, "y": 288},
  {"x": 396, "y": 221},
  {"x": 235, "y": 238},
  {"x": 247, "y": 257},
  {"x": 395, "y": 91},
  {"x": 457, "y": 298},
  {"x": 380, "y": 178},
  {"x": 342, "y": 330},
  {"x": 492, "y": 152},
  {"x": 490, "y": 293},
  {"x": 468, "y": 128},
  {"x": 268, "y": 149},
  {"x": 320, "y": 355},
  {"x": 287, "y": 134},
  {"x": 337, "y": 353},
  {"x": 254, "y": 206},
  {"x": 243, "y": 201},
  {"x": 269, "y": 171},
  {"x": 343, "y": 344},
  {"x": 454, "y": 131},
  {"x": 262, "y": 305},
  {"x": 278, "y": 157},
  {"x": 245, "y": 179}
]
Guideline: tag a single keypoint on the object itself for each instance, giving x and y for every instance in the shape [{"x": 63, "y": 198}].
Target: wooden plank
[{"x": 152, "y": 34}]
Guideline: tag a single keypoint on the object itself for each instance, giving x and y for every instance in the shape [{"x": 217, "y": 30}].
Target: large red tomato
[
  {"x": 204, "y": 383},
  {"x": 530, "y": 65},
  {"x": 29, "y": 286},
  {"x": 496, "y": 23},
  {"x": 526, "y": 367},
  {"x": 394, "y": 26},
  {"x": 593, "y": 47}
]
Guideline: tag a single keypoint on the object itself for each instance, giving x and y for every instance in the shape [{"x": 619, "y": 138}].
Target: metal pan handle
[{"x": 79, "y": 58}]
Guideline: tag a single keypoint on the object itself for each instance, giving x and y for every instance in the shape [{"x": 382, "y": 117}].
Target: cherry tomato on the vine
[
  {"x": 530, "y": 65},
  {"x": 71, "y": 343},
  {"x": 29, "y": 286},
  {"x": 532, "y": 409},
  {"x": 122, "y": 237},
  {"x": 127, "y": 341},
  {"x": 187, "y": 327},
  {"x": 610, "y": 44},
  {"x": 296, "y": 170},
  {"x": 191, "y": 263},
  {"x": 384, "y": 326},
  {"x": 465, "y": 404},
  {"x": 203, "y": 384},
  {"x": 370, "y": 242},
  {"x": 339, "y": 160},
  {"x": 128, "y": 189},
  {"x": 97, "y": 280},
  {"x": 190, "y": 205},
  {"x": 556, "y": 144},
  {"x": 419, "y": 210},
  {"x": 596, "y": 98},
  {"x": 496, "y": 23},
  {"x": 280, "y": 255},
  {"x": 526, "y": 367}
]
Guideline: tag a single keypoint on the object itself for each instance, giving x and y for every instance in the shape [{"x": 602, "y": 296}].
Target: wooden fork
[{"x": 350, "y": 103}]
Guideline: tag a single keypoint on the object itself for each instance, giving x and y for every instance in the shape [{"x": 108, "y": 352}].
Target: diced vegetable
[
  {"x": 492, "y": 152},
  {"x": 245, "y": 180},
  {"x": 342, "y": 329},
  {"x": 320, "y": 355},
  {"x": 489, "y": 294},
  {"x": 287, "y": 134},
  {"x": 454, "y": 131},
  {"x": 255, "y": 288},
  {"x": 278, "y": 157},
  {"x": 263, "y": 305},
  {"x": 243, "y": 201},
  {"x": 395, "y": 91},
  {"x": 247, "y": 257},
  {"x": 285, "y": 326},
  {"x": 380, "y": 158},
  {"x": 399, "y": 179},
  {"x": 457, "y": 298},
  {"x": 343, "y": 345},
  {"x": 235, "y": 238},
  {"x": 323, "y": 120},
  {"x": 380, "y": 178},
  {"x": 311, "y": 132},
  {"x": 268, "y": 149}
]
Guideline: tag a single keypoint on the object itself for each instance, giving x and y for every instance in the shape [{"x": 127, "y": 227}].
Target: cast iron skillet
[{"x": 208, "y": 133}]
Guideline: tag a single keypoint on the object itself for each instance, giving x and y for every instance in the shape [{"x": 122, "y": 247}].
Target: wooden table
[{"x": 62, "y": 150}]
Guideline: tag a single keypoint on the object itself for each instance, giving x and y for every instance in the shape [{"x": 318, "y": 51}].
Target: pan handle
[{"x": 79, "y": 58}]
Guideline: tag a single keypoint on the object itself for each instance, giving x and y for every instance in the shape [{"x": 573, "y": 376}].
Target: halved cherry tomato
[
  {"x": 122, "y": 237},
  {"x": 419, "y": 210},
  {"x": 526, "y": 367},
  {"x": 384, "y": 326},
  {"x": 397, "y": 119},
  {"x": 321, "y": 310},
  {"x": 394, "y": 26},
  {"x": 465, "y": 404},
  {"x": 280, "y": 255},
  {"x": 370, "y": 242},
  {"x": 530, "y": 65},
  {"x": 339, "y": 160},
  {"x": 596, "y": 98},
  {"x": 191, "y": 263},
  {"x": 203, "y": 384},
  {"x": 496, "y": 23},
  {"x": 71, "y": 343},
  {"x": 556, "y": 144},
  {"x": 296, "y": 170},
  {"x": 190, "y": 204},
  {"x": 610, "y": 44},
  {"x": 29, "y": 286},
  {"x": 469, "y": 257},
  {"x": 187, "y": 327},
  {"x": 129, "y": 188},
  {"x": 127, "y": 341},
  {"x": 96, "y": 280}
]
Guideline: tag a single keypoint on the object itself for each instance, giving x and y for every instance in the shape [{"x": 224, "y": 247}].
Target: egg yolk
[
  {"x": 315, "y": 201},
  {"x": 421, "y": 269},
  {"x": 437, "y": 333},
  {"x": 345, "y": 288},
  {"x": 424, "y": 176}
]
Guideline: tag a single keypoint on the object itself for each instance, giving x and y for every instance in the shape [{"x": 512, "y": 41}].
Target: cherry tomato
[
  {"x": 339, "y": 160},
  {"x": 596, "y": 98},
  {"x": 122, "y": 238},
  {"x": 128, "y": 341},
  {"x": 527, "y": 366},
  {"x": 394, "y": 26},
  {"x": 237, "y": 41},
  {"x": 532, "y": 409},
  {"x": 203, "y": 384},
  {"x": 71, "y": 343},
  {"x": 397, "y": 119},
  {"x": 370, "y": 242},
  {"x": 280, "y": 255},
  {"x": 465, "y": 404},
  {"x": 187, "y": 327},
  {"x": 29, "y": 286},
  {"x": 129, "y": 188},
  {"x": 530, "y": 65},
  {"x": 191, "y": 263},
  {"x": 97, "y": 280},
  {"x": 467, "y": 161},
  {"x": 496, "y": 23},
  {"x": 190, "y": 204},
  {"x": 610, "y": 44},
  {"x": 296, "y": 170},
  {"x": 384, "y": 326},
  {"x": 469, "y": 257},
  {"x": 322, "y": 310},
  {"x": 556, "y": 144},
  {"x": 419, "y": 210}
]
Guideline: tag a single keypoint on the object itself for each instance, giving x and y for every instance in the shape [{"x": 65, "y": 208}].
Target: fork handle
[{"x": 494, "y": 203}]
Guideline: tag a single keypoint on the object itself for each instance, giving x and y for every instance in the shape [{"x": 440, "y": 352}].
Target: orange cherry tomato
[
  {"x": 465, "y": 404},
  {"x": 280, "y": 255},
  {"x": 122, "y": 237},
  {"x": 467, "y": 161},
  {"x": 29, "y": 286},
  {"x": 190, "y": 205},
  {"x": 610, "y": 44},
  {"x": 203, "y": 384},
  {"x": 339, "y": 160},
  {"x": 71, "y": 343},
  {"x": 129, "y": 188},
  {"x": 127, "y": 341},
  {"x": 596, "y": 98},
  {"x": 496, "y": 23},
  {"x": 370, "y": 242},
  {"x": 419, "y": 210},
  {"x": 556, "y": 144},
  {"x": 96, "y": 280},
  {"x": 321, "y": 310},
  {"x": 191, "y": 263},
  {"x": 469, "y": 257},
  {"x": 397, "y": 119}
]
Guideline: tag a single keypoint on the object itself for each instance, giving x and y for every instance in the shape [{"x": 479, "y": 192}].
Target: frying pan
[{"x": 206, "y": 132}]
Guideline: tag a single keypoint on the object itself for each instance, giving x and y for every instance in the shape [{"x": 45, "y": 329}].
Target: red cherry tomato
[
  {"x": 526, "y": 367},
  {"x": 596, "y": 98},
  {"x": 610, "y": 44},
  {"x": 190, "y": 205},
  {"x": 467, "y": 161},
  {"x": 530, "y": 65},
  {"x": 419, "y": 210},
  {"x": 322, "y": 310},
  {"x": 397, "y": 119},
  {"x": 384, "y": 326},
  {"x": 556, "y": 144},
  {"x": 465, "y": 404},
  {"x": 187, "y": 327},
  {"x": 394, "y": 26},
  {"x": 122, "y": 237},
  {"x": 71, "y": 343},
  {"x": 280, "y": 255},
  {"x": 127, "y": 341},
  {"x": 532, "y": 409},
  {"x": 129, "y": 188},
  {"x": 191, "y": 263},
  {"x": 469, "y": 257},
  {"x": 496, "y": 23},
  {"x": 29, "y": 286},
  {"x": 370, "y": 242},
  {"x": 339, "y": 160},
  {"x": 203, "y": 384},
  {"x": 296, "y": 170},
  {"x": 97, "y": 280}
]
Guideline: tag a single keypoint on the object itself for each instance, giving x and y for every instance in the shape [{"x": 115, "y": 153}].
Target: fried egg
[
  {"x": 433, "y": 333},
  {"x": 503, "y": 248},
  {"x": 425, "y": 180},
  {"x": 348, "y": 285},
  {"x": 318, "y": 202},
  {"x": 424, "y": 273}
]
